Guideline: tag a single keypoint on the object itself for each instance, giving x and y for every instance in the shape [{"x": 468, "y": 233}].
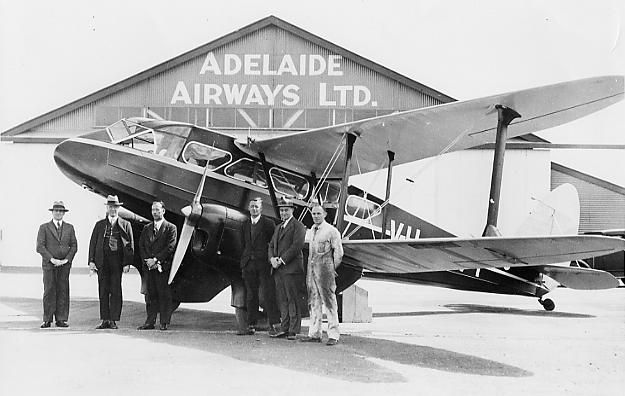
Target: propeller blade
[
  {"x": 200, "y": 189},
  {"x": 181, "y": 249},
  {"x": 187, "y": 229}
]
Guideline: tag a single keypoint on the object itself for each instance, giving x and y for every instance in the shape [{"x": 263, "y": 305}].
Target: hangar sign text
[{"x": 270, "y": 91}]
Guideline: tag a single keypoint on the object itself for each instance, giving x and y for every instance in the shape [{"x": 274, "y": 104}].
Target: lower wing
[{"x": 443, "y": 254}]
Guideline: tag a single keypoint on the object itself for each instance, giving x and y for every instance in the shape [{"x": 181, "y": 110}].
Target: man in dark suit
[
  {"x": 157, "y": 245},
  {"x": 286, "y": 258},
  {"x": 57, "y": 245},
  {"x": 111, "y": 249},
  {"x": 256, "y": 234}
]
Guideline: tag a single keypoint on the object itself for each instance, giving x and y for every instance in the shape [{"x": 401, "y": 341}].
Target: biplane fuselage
[{"x": 140, "y": 170}]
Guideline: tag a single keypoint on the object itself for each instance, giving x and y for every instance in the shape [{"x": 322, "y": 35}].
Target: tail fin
[{"x": 555, "y": 214}]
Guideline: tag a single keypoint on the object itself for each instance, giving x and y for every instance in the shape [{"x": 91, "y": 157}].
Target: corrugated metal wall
[
  {"x": 600, "y": 207},
  {"x": 77, "y": 120},
  {"x": 158, "y": 90}
]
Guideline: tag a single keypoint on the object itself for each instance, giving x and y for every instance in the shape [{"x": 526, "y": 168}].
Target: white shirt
[
  {"x": 286, "y": 222},
  {"x": 158, "y": 224},
  {"x": 58, "y": 224},
  {"x": 112, "y": 220},
  {"x": 255, "y": 219}
]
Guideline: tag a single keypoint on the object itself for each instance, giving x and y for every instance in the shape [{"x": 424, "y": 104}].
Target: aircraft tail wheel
[{"x": 548, "y": 304}]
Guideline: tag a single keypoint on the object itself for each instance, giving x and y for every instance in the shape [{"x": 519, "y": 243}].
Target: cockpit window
[
  {"x": 289, "y": 183},
  {"x": 200, "y": 154},
  {"x": 124, "y": 128},
  {"x": 248, "y": 171},
  {"x": 166, "y": 141}
]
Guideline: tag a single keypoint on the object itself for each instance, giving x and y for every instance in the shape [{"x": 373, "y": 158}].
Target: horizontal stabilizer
[{"x": 580, "y": 278}]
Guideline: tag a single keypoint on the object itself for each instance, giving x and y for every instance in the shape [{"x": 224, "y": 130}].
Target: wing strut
[
  {"x": 505, "y": 115},
  {"x": 389, "y": 177},
  {"x": 340, "y": 221},
  {"x": 272, "y": 191}
]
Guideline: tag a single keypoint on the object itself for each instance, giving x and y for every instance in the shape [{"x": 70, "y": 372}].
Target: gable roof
[
  {"x": 588, "y": 178},
  {"x": 255, "y": 26}
]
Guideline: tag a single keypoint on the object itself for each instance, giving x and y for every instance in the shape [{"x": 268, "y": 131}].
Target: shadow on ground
[
  {"x": 213, "y": 332},
  {"x": 475, "y": 308}
]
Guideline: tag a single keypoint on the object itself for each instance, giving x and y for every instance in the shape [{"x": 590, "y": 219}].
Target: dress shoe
[
  {"x": 310, "y": 339},
  {"x": 146, "y": 326},
  {"x": 249, "y": 331},
  {"x": 61, "y": 323},
  {"x": 279, "y": 334},
  {"x": 291, "y": 337},
  {"x": 112, "y": 325},
  {"x": 163, "y": 326},
  {"x": 332, "y": 342},
  {"x": 104, "y": 325},
  {"x": 272, "y": 331},
  {"x": 45, "y": 325}
]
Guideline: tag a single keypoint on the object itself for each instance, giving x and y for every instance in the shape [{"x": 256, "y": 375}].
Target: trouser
[
  {"x": 258, "y": 283},
  {"x": 110, "y": 288},
  {"x": 288, "y": 294},
  {"x": 56, "y": 293},
  {"x": 158, "y": 299},
  {"x": 321, "y": 287}
]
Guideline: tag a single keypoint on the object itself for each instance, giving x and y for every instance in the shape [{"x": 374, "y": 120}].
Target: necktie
[{"x": 58, "y": 228}]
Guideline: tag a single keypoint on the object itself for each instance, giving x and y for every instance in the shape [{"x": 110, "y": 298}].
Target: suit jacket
[
  {"x": 287, "y": 244},
  {"x": 96, "y": 243},
  {"x": 160, "y": 246},
  {"x": 49, "y": 245},
  {"x": 255, "y": 246}
]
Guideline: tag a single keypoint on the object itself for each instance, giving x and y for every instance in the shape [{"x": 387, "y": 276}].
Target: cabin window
[
  {"x": 361, "y": 208},
  {"x": 289, "y": 183},
  {"x": 329, "y": 192},
  {"x": 248, "y": 171},
  {"x": 200, "y": 155}
]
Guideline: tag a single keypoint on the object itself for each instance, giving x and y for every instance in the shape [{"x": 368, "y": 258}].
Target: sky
[{"x": 52, "y": 53}]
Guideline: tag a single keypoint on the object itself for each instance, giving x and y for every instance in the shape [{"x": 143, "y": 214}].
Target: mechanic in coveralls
[{"x": 325, "y": 254}]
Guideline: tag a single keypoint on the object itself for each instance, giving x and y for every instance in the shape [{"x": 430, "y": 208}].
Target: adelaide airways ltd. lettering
[{"x": 303, "y": 65}]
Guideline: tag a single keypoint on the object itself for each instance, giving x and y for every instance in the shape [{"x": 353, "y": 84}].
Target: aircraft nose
[{"x": 79, "y": 159}]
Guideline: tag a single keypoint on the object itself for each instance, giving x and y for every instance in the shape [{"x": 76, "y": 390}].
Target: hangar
[{"x": 267, "y": 78}]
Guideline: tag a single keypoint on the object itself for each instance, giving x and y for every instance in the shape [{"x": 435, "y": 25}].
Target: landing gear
[{"x": 548, "y": 304}]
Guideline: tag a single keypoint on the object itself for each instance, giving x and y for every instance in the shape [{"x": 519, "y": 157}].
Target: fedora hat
[
  {"x": 285, "y": 202},
  {"x": 58, "y": 205},
  {"x": 113, "y": 201}
]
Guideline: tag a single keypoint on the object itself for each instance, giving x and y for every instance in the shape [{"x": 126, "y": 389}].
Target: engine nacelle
[{"x": 217, "y": 234}]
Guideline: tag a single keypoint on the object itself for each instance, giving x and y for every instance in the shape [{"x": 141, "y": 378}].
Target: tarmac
[{"x": 423, "y": 340}]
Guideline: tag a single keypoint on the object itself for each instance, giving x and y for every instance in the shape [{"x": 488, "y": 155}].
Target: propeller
[{"x": 192, "y": 214}]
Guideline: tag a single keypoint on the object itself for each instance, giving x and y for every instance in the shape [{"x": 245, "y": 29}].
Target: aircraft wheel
[{"x": 548, "y": 304}]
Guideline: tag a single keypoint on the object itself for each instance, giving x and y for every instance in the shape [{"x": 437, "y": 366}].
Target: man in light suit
[
  {"x": 157, "y": 245},
  {"x": 111, "y": 249},
  {"x": 286, "y": 258},
  {"x": 324, "y": 256},
  {"x": 256, "y": 234},
  {"x": 57, "y": 245}
]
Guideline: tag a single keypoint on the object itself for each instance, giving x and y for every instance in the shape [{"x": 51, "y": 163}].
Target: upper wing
[
  {"x": 441, "y": 254},
  {"x": 426, "y": 132}
]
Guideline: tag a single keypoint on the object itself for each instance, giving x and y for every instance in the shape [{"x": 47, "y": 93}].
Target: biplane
[{"x": 207, "y": 177}]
